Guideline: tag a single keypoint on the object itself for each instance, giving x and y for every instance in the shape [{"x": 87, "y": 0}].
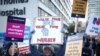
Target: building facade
[
  {"x": 93, "y": 7},
  {"x": 61, "y": 8}
]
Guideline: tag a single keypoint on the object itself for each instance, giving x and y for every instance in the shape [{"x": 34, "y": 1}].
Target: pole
[
  {"x": 13, "y": 47},
  {"x": 76, "y": 24}
]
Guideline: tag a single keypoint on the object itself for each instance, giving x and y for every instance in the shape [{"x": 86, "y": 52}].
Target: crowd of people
[{"x": 91, "y": 47}]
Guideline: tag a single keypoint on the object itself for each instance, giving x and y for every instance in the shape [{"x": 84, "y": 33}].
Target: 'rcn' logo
[{"x": 96, "y": 21}]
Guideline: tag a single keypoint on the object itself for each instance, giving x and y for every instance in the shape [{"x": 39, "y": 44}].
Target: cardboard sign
[
  {"x": 47, "y": 31},
  {"x": 74, "y": 46},
  {"x": 23, "y": 47},
  {"x": 93, "y": 27},
  {"x": 79, "y": 8},
  {"x": 15, "y": 28}
]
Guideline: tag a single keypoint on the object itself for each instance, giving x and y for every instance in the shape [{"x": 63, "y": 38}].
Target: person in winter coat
[
  {"x": 86, "y": 51},
  {"x": 47, "y": 51}
]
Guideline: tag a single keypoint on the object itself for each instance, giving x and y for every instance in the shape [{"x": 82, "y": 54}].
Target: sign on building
[
  {"x": 79, "y": 8},
  {"x": 15, "y": 28},
  {"x": 47, "y": 31},
  {"x": 74, "y": 46},
  {"x": 93, "y": 27},
  {"x": 19, "y": 8}
]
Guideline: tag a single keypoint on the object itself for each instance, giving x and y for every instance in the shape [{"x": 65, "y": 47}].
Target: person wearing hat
[{"x": 48, "y": 51}]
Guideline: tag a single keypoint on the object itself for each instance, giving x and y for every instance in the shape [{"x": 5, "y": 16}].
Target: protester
[
  {"x": 48, "y": 51},
  {"x": 98, "y": 50},
  {"x": 86, "y": 51},
  {"x": 33, "y": 49},
  {"x": 1, "y": 51},
  {"x": 11, "y": 47},
  {"x": 93, "y": 46},
  {"x": 97, "y": 45},
  {"x": 62, "y": 48}
]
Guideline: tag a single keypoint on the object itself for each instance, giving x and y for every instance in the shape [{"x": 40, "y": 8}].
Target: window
[{"x": 41, "y": 12}]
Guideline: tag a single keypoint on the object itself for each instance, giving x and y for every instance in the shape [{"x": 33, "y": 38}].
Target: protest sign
[
  {"x": 23, "y": 47},
  {"x": 74, "y": 46},
  {"x": 79, "y": 8},
  {"x": 15, "y": 29},
  {"x": 93, "y": 27},
  {"x": 47, "y": 31}
]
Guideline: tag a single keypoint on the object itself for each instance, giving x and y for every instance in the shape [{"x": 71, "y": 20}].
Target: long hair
[{"x": 8, "y": 46}]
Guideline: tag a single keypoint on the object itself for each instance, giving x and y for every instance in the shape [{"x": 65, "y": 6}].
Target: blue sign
[
  {"x": 27, "y": 33},
  {"x": 2, "y": 35}
]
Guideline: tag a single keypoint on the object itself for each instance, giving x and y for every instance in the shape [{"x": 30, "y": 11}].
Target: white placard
[
  {"x": 23, "y": 47},
  {"x": 24, "y": 43},
  {"x": 74, "y": 45},
  {"x": 94, "y": 25},
  {"x": 47, "y": 31}
]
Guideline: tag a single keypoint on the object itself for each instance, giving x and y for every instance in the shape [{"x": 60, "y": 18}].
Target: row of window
[
  {"x": 94, "y": 7},
  {"x": 52, "y": 7},
  {"x": 42, "y": 13},
  {"x": 67, "y": 7},
  {"x": 61, "y": 6},
  {"x": 63, "y": 9}
]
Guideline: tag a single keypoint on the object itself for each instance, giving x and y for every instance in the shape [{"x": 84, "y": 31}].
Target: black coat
[{"x": 86, "y": 51}]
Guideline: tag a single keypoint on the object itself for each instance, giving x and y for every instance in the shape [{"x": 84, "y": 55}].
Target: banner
[
  {"x": 74, "y": 46},
  {"x": 93, "y": 27},
  {"x": 79, "y": 8},
  {"x": 15, "y": 28},
  {"x": 47, "y": 31}
]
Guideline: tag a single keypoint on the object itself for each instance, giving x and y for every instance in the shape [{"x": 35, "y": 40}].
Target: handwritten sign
[
  {"x": 79, "y": 8},
  {"x": 47, "y": 30},
  {"x": 74, "y": 46},
  {"x": 93, "y": 27}
]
